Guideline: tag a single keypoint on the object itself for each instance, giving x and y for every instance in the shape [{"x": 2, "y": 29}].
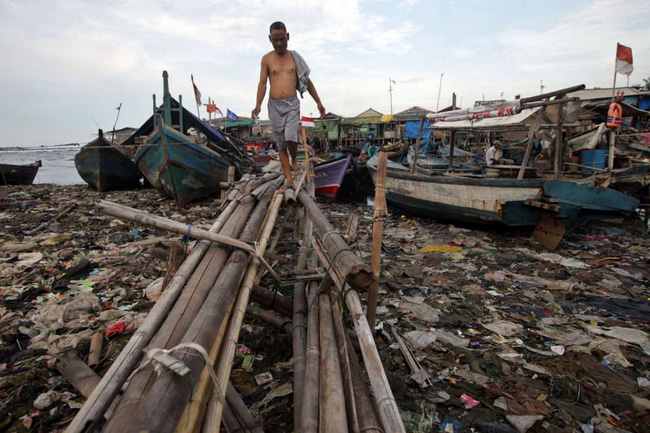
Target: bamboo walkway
[{"x": 173, "y": 375}]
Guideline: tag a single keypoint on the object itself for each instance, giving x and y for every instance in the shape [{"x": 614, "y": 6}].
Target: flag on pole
[
  {"x": 624, "y": 60},
  {"x": 120, "y": 107},
  {"x": 212, "y": 108},
  {"x": 231, "y": 116},
  {"x": 308, "y": 122},
  {"x": 197, "y": 94}
]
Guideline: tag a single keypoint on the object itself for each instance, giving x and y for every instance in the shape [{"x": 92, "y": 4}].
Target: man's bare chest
[{"x": 282, "y": 67}]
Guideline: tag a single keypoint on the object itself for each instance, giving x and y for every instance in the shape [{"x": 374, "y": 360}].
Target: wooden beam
[
  {"x": 417, "y": 146},
  {"x": 531, "y": 140},
  {"x": 377, "y": 234}
]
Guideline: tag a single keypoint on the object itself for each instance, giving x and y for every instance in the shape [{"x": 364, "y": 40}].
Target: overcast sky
[{"x": 66, "y": 65}]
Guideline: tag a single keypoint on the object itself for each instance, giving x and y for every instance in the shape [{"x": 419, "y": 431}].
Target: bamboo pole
[
  {"x": 228, "y": 352},
  {"x": 559, "y": 148},
  {"x": 160, "y": 412},
  {"x": 309, "y": 413},
  {"x": 384, "y": 399},
  {"x": 344, "y": 359},
  {"x": 95, "y": 353},
  {"x": 120, "y": 211},
  {"x": 102, "y": 396},
  {"x": 125, "y": 212},
  {"x": 612, "y": 147},
  {"x": 270, "y": 317},
  {"x": 356, "y": 273},
  {"x": 273, "y": 300},
  {"x": 417, "y": 146},
  {"x": 332, "y": 397},
  {"x": 531, "y": 139},
  {"x": 377, "y": 234},
  {"x": 240, "y": 418},
  {"x": 192, "y": 417},
  {"x": 299, "y": 332},
  {"x": 365, "y": 408}
]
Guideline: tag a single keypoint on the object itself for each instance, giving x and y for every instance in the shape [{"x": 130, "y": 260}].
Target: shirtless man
[{"x": 287, "y": 72}]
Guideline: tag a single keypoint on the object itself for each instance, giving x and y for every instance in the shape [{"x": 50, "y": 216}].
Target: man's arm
[
  {"x": 261, "y": 89},
  {"x": 314, "y": 94}
]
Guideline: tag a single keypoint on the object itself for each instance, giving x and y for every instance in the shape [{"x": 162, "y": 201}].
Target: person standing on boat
[
  {"x": 494, "y": 153},
  {"x": 288, "y": 72}
]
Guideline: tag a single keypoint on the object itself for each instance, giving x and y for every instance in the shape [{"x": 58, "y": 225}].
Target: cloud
[{"x": 69, "y": 61}]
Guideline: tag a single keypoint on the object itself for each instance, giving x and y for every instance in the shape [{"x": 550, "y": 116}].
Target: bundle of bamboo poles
[{"x": 174, "y": 372}]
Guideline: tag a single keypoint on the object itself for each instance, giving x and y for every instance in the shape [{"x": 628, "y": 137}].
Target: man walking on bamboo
[{"x": 288, "y": 72}]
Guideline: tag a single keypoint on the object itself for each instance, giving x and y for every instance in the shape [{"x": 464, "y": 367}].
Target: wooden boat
[
  {"x": 104, "y": 167},
  {"x": 15, "y": 174},
  {"x": 180, "y": 168},
  {"x": 509, "y": 202},
  {"x": 328, "y": 176}
]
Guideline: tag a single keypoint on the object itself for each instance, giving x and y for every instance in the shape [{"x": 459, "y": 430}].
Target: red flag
[
  {"x": 197, "y": 94},
  {"x": 308, "y": 122},
  {"x": 624, "y": 60}
]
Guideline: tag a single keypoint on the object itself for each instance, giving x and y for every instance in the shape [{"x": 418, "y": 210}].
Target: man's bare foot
[{"x": 285, "y": 187}]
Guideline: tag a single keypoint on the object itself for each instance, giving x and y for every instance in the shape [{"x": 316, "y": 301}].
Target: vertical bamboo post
[
  {"x": 559, "y": 148},
  {"x": 452, "y": 147},
  {"x": 377, "y": 234},
  {"x": 230, "y": 179},
  {"x": 612, "y": 146},
  {"x": 304, "y": 139},
  {"x": 531, "y": 139},
  {"x": 417, "y": 146}
]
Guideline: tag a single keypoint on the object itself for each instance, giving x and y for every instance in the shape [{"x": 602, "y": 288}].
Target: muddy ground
[{"x": 510, "y": 337}]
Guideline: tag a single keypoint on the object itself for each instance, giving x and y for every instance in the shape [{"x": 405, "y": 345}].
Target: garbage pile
[
  {"x": 488, "y": 331},
  {"x": 477, "y": 330},
  {"x": 67, "y": 274}
]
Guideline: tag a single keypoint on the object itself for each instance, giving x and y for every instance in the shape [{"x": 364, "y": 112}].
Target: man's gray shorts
[{"x": 285, "y": 119}]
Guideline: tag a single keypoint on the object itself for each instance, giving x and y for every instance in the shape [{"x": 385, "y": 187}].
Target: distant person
[
  {"x": 287, "y": 71},
  {"x": 494, "y": 153}
]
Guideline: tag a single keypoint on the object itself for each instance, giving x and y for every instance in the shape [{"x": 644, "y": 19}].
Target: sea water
[{"x": 58, "y": 162}]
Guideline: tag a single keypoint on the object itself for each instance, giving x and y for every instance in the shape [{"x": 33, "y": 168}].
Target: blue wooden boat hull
[
  {"x": 105, "y": 168},
  {"x": 500, "y": 201},
  {"x": 179, "y": 168},
  {"x": 484, "y": 201}
]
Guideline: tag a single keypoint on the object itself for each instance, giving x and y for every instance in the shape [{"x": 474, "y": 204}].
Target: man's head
[
  {"x": 278, "y": 37},
  {"x": 497, "y": 144}
]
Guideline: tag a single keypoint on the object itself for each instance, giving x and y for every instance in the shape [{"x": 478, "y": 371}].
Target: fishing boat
[
  {"x": 328, "y": 176},
  {"x": 104, "y": 167},
  {"x": 24, "y": 174},
  {"x": 183, "y": 167},
  {"x": 508, "y": 202},
  {"x": 180, "y": 168}
]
